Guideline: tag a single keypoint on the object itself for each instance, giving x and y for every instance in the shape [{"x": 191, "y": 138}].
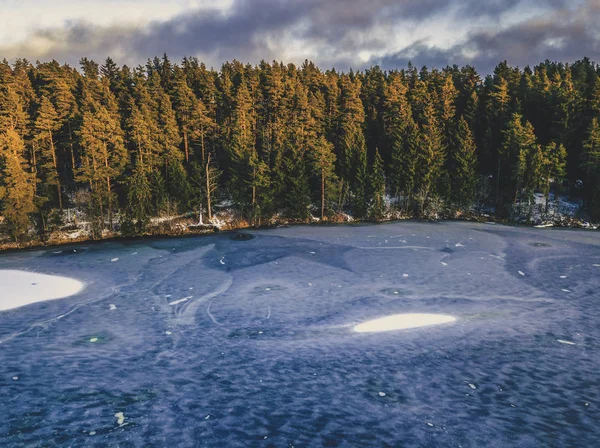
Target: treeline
[{"x": 124, "y": 145}]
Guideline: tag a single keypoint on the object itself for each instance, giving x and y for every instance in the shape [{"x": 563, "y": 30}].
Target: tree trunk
[
  {"x": 208, "y": 188},
  {"x": 322, "y": 194},
  {"x": 186, "y": 146},
  {"x": 60, "y": 202},
  {"x": 341, "y": 195},
  {"x": 72, "y": 150}
]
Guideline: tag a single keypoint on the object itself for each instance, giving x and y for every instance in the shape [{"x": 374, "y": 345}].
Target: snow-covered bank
[{"x": 20, "y": 288}]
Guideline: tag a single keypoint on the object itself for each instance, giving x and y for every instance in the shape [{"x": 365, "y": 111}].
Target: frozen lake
[{"x": 227, "y": 342}]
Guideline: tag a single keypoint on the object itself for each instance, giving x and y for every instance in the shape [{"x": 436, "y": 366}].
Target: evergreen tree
[
  {"x": 139, "y": 200},
  {"x": 104, "y": 158},
  {"x": 519, "y": 145},
  {"x": 323, "y": 166},
  {"x": 377, "y": 184},
  {"x": 464, "y": 159},
  {"x": 16, "y": 184},
  {"x": 591, "y": 167},
  {"x": 46, "y": 125}
]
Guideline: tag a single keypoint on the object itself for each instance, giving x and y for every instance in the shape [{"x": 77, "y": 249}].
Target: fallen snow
[
  {"x": 402, "y": 322},
  {"x": 20, "y": 288},
  {"x": 120, "y": 418},
  {"x": 185, "y": 299}
]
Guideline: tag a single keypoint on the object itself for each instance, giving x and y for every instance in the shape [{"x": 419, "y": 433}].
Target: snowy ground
[{"x": 221, "y": 341}]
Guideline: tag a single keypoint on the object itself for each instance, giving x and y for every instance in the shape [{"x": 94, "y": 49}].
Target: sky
[{"x": 332, "y": 33}]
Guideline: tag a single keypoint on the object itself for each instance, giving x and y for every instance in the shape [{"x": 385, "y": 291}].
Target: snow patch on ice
[
  {"x": 402, "y": 322},
  {"x": 120, "y": 418},
  {"x": 185, "y": 299},
  {"x": 20, "y": 288}
]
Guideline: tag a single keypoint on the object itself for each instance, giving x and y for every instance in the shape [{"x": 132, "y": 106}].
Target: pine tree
[
  {"x": 139, "y": 199},
  {"x": 591, "y": 167},
  {"x": 45, "y": 126},
  {"x": 104, "y": 158},
  {"x": 518, "y": 146},
  {"x": 431, "y": 157},
  {"x": 323, "y": 166},
  {"x": 16, "y": 184},
  {"x": 397, "y": 117},
  {"x": 360, "y": 179},
  {"x": 464, "y": 159},
  {"x": 377, "y": 186},
  {"x": 352, "y": 146}
]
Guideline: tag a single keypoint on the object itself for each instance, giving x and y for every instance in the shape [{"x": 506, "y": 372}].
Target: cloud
[
  {"x": 339, "y": 33},
  {"x": 564, "y": 34}
]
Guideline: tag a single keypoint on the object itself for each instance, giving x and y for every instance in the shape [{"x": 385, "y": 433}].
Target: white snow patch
[
  {"x": 402, "y": 322},
  {"x": 120, "y": 418},
  {"x": 114, "y": 259},
  {"x": 562, "y": 341},
  {"x": 185, "y": 299},
  {"x": 20, "y": 288}
]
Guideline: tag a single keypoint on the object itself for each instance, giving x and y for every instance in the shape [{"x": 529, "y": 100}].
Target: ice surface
[
  {"x": 20, "y": 288},
  {"x": 266, "y": 345}
]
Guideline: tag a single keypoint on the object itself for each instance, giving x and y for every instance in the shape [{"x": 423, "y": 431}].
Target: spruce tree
[
  {"x": 377, "y": 186},
  {"x": 323, "y": 159},
  {"x": 139, "y": 199},
  {"x": 464, "y": 159}
]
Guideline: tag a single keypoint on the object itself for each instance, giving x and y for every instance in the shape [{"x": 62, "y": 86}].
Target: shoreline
[{"x": 38, "y": 244}]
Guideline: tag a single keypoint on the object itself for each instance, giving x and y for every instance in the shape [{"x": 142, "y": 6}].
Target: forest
[{"x": 125, "y": 145}]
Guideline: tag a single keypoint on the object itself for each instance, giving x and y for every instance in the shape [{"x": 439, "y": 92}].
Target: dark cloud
[
  {"x": 563, "y": 35},
  {"x": 333, "y": 32}
]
